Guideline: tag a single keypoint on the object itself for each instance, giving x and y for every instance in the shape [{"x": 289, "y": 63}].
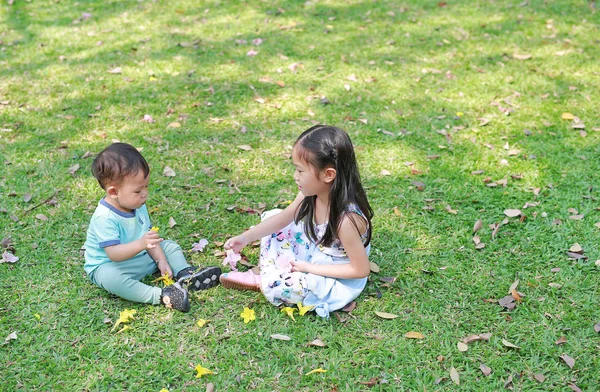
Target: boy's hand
[
  {"x": 165, "y": 268},
  {"x": 236, "y": 243},
  {"x": 150, "y": 239}
]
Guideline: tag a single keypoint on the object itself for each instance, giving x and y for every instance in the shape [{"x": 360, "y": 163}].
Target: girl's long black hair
[{"x": 324, "y": 146}]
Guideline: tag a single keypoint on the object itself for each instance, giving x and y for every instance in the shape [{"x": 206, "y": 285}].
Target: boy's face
[{"x": 131, "y": 194}]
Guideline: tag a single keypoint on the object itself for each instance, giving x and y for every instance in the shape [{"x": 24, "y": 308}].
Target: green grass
[{"x": 417, "y": 64}]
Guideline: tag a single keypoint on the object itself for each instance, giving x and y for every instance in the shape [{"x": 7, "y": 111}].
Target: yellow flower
[
  {"x": 125, "y": 328},
  {"x": 459, "y": 114},
  {"x": 201, "y": 323},
  {"x": 289, "y": 311},
  {"x": 303, "y": 309},
  {"x": 37, "y": 316},
  {"x": 124, "y": 317},
  {"x": 248, "y": 315},
  {"x": 164, "y": 390},
  {"x": 154, "y": 228},
  {"x": 202, "y": 371},
  {"x": 165, "y": 279},
  {"x": 319, "y": 370}
]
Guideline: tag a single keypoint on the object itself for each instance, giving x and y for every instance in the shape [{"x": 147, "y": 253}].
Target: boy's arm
[{"x": 122, "y": 252}]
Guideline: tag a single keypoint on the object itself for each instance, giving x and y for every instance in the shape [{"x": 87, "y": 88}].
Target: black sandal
[{"x": 199, "y": 280}]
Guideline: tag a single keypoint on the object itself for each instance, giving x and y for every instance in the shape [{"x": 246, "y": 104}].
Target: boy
[{"x": 121, "y": 249}]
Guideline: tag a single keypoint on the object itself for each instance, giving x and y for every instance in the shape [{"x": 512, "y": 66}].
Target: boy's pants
[{"x": 123, "y": 278}]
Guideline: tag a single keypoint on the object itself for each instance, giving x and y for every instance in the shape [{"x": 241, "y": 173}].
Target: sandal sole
[
  {"x": 204, "y": 279},
  {"x": 232, "y": 284}
]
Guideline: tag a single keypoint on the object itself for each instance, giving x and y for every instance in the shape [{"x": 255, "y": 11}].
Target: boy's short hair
[{"x": 116, "y": 162}]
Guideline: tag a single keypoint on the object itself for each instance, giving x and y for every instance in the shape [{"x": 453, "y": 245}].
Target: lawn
[{"x": 459, "y": 111}]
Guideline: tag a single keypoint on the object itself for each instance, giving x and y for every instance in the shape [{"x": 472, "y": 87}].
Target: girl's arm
[
  {"x": 352, "y": 243},
  {"x": 266, "y": 227}
]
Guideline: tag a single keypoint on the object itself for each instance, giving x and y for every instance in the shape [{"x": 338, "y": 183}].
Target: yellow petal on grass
[
  {"x": 202, "y": 371},
  {"x": 125, "y": 328},
  {"x": 459, "y": 114},
  {"x": 37, "y": 316},
  {"x": 567, "y": 116},
  {"x": 166, "y": 279},
  {"x": 248, "y": 315},
  {"x": 303, "y": 309},
  {"x": 124, "y": 317},
  {"x": 201, "y": 323},
  {"x": 164, "y": 390},
  {"x": 319, "y": 370},
  {"x": 289, "y": 311},
  {"x": 154, "y": 228}
]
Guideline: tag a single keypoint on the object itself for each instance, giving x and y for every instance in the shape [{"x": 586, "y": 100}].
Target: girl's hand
[
  {"x": 236, "y": 243},
  {"x": 300, "y": 266},
  {"x": 165, "y": 268},
  {"x": 150, "y": 239}
]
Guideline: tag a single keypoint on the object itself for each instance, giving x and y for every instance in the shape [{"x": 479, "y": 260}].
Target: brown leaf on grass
[
  {"x": 509, "y": 344},
  {"x": 574, "y": 387},
  {"x": 539, "y": 377},
  {"x": 172, "y": 222},
  {"x": 317, "y": 343},
  {"x": 387, "y": 279},
  {"x": 508, "y": 302},
  {"x": 513, "y": 286},
  {"x": 485, "y": 370},
  {"x": 597, "y": 327},
  {"x": 576, "y": 248},
  {"x": 116, "y": 70},
  {"x": 419, "y": 185},
  {"x": 374, "y": 267},
  {"x": 278, "y": 336},
  {"x": 515, "y": 295},
  {"x": 561, "y": 340},
  {"x": 577, "y": 217},
  {"x": 476, "y": 240},
  {"x": 387, "y": 316},
  {"x": 414, "y": 335},
  {"x": 568, "y": 360},
  {"x": 349, "y": 307},
  {"x": 462, "y": 347},
  {"x": 478, "y": 226},
  {"x": 371, "y": 383},
  {"x": 41, "y": 217},
  {"x": 524, "y": 56},
  {"x": 476, "y": 337},
  {"x": 576, "y": 256},
  {"x": 512, "y": 213},
  {"x": 27, "y": 197},
  {"x": 509, "y": 383},
  {"x": 397, "y": 211},
  {"x": 168, "y": 172},
  {"x": 245, "y": 147},
  {"x": 454, "y": 376}
]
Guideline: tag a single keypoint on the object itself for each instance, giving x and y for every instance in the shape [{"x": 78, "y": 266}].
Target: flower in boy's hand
[
  {"x": 199, "y": 246},
  {"x": 232, "y": 258},
  {"x": 154, "y": 228}
]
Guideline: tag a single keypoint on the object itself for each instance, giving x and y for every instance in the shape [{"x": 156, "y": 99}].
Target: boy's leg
[
  {"x": 185, "y": 274},
  {"x": 123, "y": 279}
]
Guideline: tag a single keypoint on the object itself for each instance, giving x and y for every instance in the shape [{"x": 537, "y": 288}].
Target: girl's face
[{"x": 309, "y": 179}]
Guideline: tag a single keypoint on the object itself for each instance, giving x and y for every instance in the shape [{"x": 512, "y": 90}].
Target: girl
[{"x": 314, "y": 252}]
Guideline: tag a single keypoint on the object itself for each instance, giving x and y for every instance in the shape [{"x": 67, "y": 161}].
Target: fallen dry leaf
[
  {"x": 513, "y": 286},
  {"x": 414, "y": 335},
  {"x": 597, "y": 327},
  {"x": 561, "y": 340},
  {"x": 485, "y": 370},
  {"x": 172, "y": 222},
  {"x": 576, "y": 248},
  {"x": 509, "y": 344},
  {"x": 568, "y": 360},
  {"x": 539, "y": 377},
  {"x": 245, "y": 147},
  {"x": 317, "y": 343},
  {"x": 280, "y": 337},
  {"x": 384, "y": 315},
  {"x": 168, "y": 172},
  {"x": 374, "y": 267},
  {"x": 478, "y": 226},
  {"x": 454, "y": 376},
  {"x": 462, "y": 347},
  {"x": 41, "y": 217},
  {"x": 512, "y": 213}
]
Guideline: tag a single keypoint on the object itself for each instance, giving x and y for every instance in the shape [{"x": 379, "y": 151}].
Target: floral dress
[{"x": 282, "y": 286}]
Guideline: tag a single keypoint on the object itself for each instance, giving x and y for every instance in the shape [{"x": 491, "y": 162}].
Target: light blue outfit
[
  {"x": 281, "y": 286},
  {"x": 110, "y": 226}
]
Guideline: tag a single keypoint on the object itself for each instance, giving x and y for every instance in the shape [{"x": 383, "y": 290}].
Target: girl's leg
[{"x": 123, "y": 279}]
